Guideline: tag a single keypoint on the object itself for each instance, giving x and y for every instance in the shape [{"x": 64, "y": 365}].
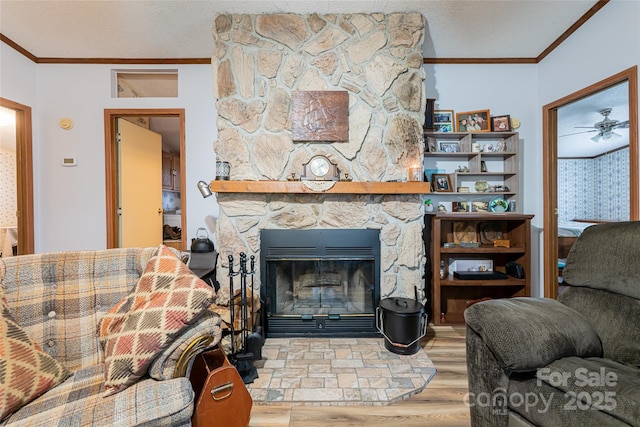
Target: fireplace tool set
[{"x": 251, "y": 338}]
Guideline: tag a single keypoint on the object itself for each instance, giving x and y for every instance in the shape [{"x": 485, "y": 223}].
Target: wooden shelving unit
[
  {"x": 340, "y": 187},
  {"x": 450, "y": 295},
  {"x": 498, "y": 153}
]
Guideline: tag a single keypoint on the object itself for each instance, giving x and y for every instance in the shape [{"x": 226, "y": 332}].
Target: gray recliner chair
[{"x": 574, "y": 361}]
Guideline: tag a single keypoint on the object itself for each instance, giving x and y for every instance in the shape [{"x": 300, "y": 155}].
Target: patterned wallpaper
[
  {"x": 594, "y": 188},
  {"x": 8, "y": 185}
]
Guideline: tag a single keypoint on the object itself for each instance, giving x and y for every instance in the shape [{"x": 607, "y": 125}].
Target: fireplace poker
[
  {"x": 255, "y": 341},
  {"x": 243, "y": 296},
  {"x": 244, "y": 359},
  {"x": 231, "y": 274}
]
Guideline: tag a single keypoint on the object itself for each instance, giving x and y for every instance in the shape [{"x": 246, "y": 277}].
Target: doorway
[
  {"x": 24, "y": 175},
  {"x": 550, "y": 166},
  {"x": 112, "y": 168}
]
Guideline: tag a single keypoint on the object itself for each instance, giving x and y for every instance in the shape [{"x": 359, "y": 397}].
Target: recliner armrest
[
  {"x": 528, "y": 333},
  {"x": 176, "y": 360}
]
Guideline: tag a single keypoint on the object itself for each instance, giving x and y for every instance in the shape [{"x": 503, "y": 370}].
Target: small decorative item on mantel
[
  {"x": 223, "y": 170},
  {"x": 415, "y": 173}
]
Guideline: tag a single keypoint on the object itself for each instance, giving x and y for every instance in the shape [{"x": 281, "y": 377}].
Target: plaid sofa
[{"x": 59, "y": 298}]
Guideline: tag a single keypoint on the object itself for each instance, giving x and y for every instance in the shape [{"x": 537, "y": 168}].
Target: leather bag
[{"x": 221, "y": 398}]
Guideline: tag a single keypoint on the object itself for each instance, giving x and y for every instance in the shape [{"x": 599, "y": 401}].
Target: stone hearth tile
[
  {"x": 348, "y": 380},
  {"x": 343, "y": 353},
  {"x": 273, "y": 396},
  {"x": 312, "y": 382},
  {"x": 351, "y": 395},
  {"x": 347, "y": 363},
  {"x": 383, "y": 372},
  {"x": 273, "y": 363},
  {"x": 400, "y": 383},
  {"x": 379, "y": 383},
  {"x": 320, "y": 368},
  {"x": 274, "y": 383},
  {"x": 331, "y": 382},
  {"x": 261, "y": 394},
  {"x": 337, "y": 371},
  {"x": 263, "y": 381},
  {"x": 313, "y": 394},
  {"x": 290, "y": 383}
]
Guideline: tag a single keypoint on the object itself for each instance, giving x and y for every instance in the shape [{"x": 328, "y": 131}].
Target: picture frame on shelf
[
  {"x": 501, "y": 123},
  {"x": 433, "y": 146},
  {"x": 460, "y": 207},
  {"x": 441, "y": 183},
  {"x": 448, "y": 147},
  {"x": 444, "y": 121},
  {"x": 473, "y": 121},
  {"x": 480, "y": 207}
]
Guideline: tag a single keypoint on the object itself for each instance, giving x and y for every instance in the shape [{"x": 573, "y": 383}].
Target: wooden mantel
[{"x": 340, "y": 187}]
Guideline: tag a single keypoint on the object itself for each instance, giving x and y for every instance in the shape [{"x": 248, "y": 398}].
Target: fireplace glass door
[{"x": 330, "y": 287}]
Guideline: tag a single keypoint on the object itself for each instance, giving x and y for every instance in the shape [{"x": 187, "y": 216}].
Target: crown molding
[{"x": 163, "y": 61}]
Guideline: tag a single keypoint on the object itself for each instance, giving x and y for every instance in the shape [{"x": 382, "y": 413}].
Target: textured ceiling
[
  {"x": 153, "y": 29},
  {"x": 575, "y": 119},
  {"x": 182, "y": 28}
]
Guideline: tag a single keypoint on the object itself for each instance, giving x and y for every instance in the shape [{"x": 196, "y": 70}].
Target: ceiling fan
[{"x": 604, "y": 127}]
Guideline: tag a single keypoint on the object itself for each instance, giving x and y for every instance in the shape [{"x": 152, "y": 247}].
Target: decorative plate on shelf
[
  {"x": 490, "y": 231},
  {"x": 498, "y": 205}
]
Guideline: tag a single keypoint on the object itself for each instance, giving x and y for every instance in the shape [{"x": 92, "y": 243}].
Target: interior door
[
  {"x": 140, "y": 182},
  {"x": 550, "y": 165},
  {"x": 21, "y": 142}
]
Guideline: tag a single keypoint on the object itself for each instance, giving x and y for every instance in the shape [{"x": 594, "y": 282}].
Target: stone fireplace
[
  {"x": 321, "y": 282},
  {"x": 258, "y": 61}
]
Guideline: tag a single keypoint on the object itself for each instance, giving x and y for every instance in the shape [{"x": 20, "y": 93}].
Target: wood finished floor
[{"x": 440, "y": 404}]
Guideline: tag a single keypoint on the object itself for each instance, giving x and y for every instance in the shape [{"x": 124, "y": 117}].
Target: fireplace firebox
[{"x": 320, "y": 282}]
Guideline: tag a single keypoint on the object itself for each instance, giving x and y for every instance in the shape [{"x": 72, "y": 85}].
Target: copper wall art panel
[{"x": 320, "y": 115}]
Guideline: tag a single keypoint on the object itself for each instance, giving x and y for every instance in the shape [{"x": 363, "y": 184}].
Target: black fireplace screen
[
  {"x": 330, "y": 287},
  {"x": 320, "y": 281}
]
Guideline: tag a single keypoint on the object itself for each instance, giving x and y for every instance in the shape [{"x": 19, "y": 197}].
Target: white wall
[
  {"x": 70, "y": 202},
  {"x": 605, "y": 45},
  {"x": 17, "y": 77},
  {"x": 503, "y": 89}
]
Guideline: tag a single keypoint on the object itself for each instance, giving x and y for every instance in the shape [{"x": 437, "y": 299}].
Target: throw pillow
[
  {"x": 26, "y": 371},
  {"x": 165, "y": 301}
]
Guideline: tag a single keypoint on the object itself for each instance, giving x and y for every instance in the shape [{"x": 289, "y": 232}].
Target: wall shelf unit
[
  {"x": 451, "y": 295},
  {"x": 471, "y": 158}
]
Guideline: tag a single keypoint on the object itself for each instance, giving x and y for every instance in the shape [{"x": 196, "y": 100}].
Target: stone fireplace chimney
[{"x": 258, "y": 61}]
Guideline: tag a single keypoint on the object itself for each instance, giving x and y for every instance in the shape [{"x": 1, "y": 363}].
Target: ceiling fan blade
[
  {"x": 578, "y": 133},
  {"x": 624, "y": 124}
]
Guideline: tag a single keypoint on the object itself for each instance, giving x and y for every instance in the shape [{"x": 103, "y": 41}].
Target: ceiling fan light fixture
[{"x": 606, "y": 136}]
